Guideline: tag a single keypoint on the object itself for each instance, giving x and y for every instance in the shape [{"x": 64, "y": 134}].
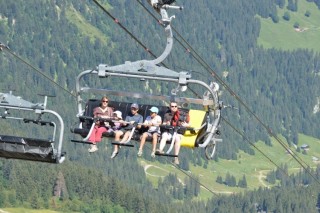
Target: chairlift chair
[
  {"x": 204, "y": 122},
  {"x": 24, "y": 148}
]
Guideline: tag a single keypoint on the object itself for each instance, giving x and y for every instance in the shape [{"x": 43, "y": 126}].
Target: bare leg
[
  {"x": 125, "y": 137},
  {"x": 154, "y": 141},
  {"x": 117, "y": 138},
  {"x": 177, "y": 146},
  {"x": 163, "y": 140},
  {"x": 143, "y": 140}
]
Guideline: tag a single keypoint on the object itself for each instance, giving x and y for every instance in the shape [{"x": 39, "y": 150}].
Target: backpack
[{"x": 184, "y": 117}]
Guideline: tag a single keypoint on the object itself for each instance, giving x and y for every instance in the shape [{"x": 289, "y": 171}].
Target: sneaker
[
  {"x": 176, "y": 161},
  {"x": 93, "y": 148},
  {"x": 140, "y": 153},
  {"x": 153, "y": 154},
  {"x": 158, "y": 151},
  {"x": 114, "y": 154}
]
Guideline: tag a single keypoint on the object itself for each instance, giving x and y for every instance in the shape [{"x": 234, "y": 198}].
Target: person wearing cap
[
  {"x": 152, "y": 122},
  {"x": 173, "y": 118},
  {"x": 102, "y": 111},
  {"x": 125, "y": 130}
]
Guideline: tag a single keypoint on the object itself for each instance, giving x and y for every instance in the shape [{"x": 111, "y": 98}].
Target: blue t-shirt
[{"x": 136, "y": 118}]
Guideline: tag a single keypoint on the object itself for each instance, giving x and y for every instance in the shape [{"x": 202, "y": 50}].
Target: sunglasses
[
  {"x": 104, "y": 101},
  {"x": 174, "y": 106}
]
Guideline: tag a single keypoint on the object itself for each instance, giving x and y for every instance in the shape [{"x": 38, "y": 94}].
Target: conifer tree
[{"x": 318, "y": 202}]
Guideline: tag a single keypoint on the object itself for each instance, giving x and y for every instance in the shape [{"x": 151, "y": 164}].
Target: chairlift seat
[
  {"x": 124, "y": 107},
  {"x": 27, "y": 149},
  {"x": 197, "y": 118},
  {"x": 42, "y": 123}
]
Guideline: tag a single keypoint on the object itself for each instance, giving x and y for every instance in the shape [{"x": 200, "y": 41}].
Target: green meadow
[
  {"x": 254, "y": 167},
  {"x": 85, "y": 27},
  {"x": 23, "y": 210},
  {"x": 284, "y": 36}
]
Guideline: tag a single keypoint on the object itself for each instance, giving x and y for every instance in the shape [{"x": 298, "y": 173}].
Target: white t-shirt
[{"x": 155, "y": 121}]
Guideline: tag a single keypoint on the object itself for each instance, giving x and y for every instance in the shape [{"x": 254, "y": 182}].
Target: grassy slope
[
  {"x": 251, "y": 166},
  {"x": 283, "y": 36},
  {"x": 84, "y": 27}
]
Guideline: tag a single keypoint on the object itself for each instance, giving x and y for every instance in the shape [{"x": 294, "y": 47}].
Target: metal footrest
[
  {"x": 164, "y": 154},
  {"x": 122, "y": 144},
  {"x": 78, "y": 141}
]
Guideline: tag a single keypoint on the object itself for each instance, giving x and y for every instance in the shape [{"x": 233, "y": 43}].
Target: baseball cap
[
  {"x": 135, "y": 105},
  {"x": 154, "y": 109},
  {"x": 118, "y": 113}
]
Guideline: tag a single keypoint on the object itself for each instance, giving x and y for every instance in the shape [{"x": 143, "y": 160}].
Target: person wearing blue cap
[
  {"x": 132, "y": 117},
  {"x": 153, "y": 123}
]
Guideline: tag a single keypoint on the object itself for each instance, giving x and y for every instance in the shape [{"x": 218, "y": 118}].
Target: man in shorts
[
  {"x": 131, "y": 118},
  {"x": 152, "y": 122}
]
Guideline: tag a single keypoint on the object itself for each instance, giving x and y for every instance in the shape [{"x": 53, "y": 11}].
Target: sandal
[{"x": 114, "y": 154}]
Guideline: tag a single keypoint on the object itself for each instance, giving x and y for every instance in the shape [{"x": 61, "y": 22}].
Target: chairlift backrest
[
  {"x": 197, "y": 119},
  {"x": 123, "y": 107},
  {"x": 25, "y": 148}
]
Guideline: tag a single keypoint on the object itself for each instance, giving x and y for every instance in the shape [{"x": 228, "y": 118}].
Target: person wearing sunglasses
[
  {"x": 173, "y": 118},
  {"x": 132, "y": 117},
  {"x": 102, "y": 111}
]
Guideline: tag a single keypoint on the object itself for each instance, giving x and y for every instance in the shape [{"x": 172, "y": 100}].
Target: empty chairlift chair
[{"x": 26, "y": 148}]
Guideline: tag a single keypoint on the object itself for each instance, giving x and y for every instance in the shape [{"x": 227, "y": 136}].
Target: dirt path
[
  {"x": 148, "y": 166},
  {"x": 261, "y": 176}
]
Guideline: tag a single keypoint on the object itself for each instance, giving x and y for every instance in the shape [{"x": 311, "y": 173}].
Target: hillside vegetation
[
  {"x": 280, "y": 86},
  {"x": 254, "y": 167},
  {"x": 282, "y": 35}
]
